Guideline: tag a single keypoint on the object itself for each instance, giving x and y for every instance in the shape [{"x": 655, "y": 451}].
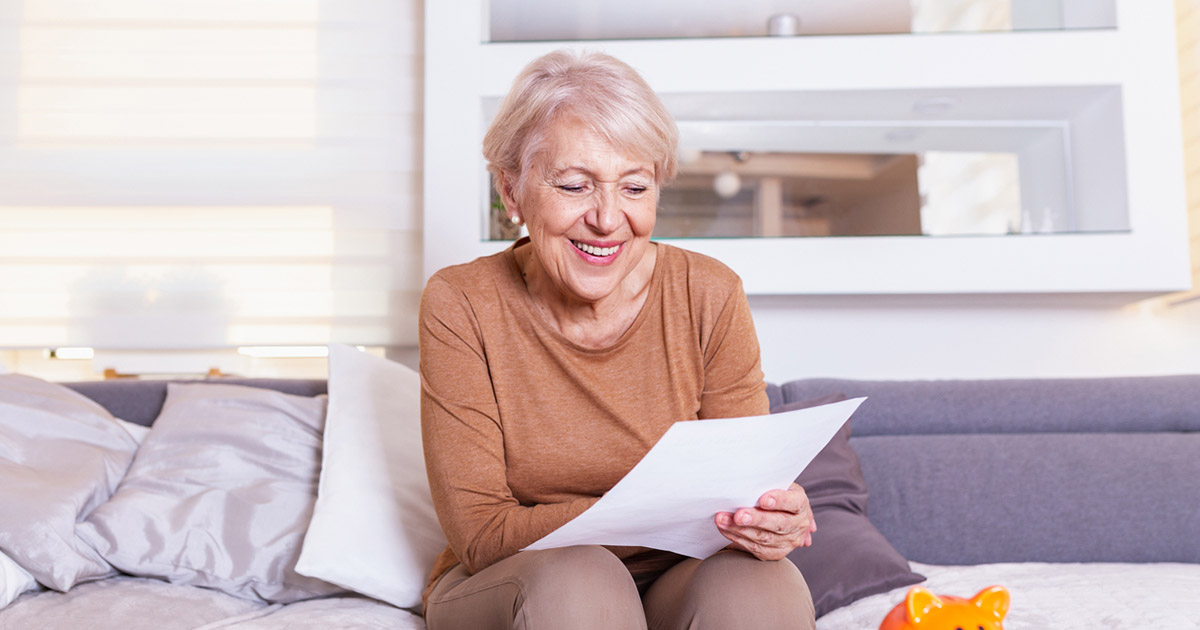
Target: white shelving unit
[{"x": 1104, "y": 104}]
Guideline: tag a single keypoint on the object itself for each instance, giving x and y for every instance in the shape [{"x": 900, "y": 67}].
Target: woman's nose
[{"x": 605, "y": 216}]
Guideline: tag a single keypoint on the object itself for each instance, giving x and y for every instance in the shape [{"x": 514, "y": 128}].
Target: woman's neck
[{"x": 591, "y": 324}]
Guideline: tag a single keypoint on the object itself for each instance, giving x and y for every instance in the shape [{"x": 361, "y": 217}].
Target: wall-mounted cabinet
[{"x": 1038, "y": 152}]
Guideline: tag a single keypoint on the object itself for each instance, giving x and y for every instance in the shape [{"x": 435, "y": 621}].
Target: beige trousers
[{"x": 579, "y": 588}]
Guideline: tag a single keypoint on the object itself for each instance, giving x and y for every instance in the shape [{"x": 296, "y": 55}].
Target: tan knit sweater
[{"x": 524, "y": 430}]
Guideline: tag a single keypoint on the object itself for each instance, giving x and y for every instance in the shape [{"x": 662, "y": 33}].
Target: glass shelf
[
  {"x": 556, "y": 20},
  {"x": 744, "y": 194},
  {"x": 979, "y": 161}
]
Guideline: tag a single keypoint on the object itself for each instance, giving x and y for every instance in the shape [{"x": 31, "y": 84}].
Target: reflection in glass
[
  {"x": 961, "y": 161},
  {"x": 791, "y": 194},
  {"x": 746, "y": 194},
  {"x": 974, "y": 193},
  {"x": 769, "y": 194},
  {"x": 540, "y": 20}
]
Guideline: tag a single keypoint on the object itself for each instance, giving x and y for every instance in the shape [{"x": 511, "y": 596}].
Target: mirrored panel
[
  {"x": 746, "y": 194},
  {"x": 962, "y": 162},
  {"x": 764, "y": 194},
  {"x": 555, "y": 20}
]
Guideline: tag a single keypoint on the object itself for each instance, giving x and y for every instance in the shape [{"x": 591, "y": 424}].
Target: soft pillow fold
[
  {"x": 14, "y": 580},
  {"x": 61, "y": 455},
  {"x": 220, "y": 493}
]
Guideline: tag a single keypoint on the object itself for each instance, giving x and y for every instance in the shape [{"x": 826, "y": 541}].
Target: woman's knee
[
  {"x": 735, "y": 590},
  {"x": 575, "y": 573},
  {"x": 579, "y": 587},
  {"x": 571, "y": 587},
  {"x": 750, "y": 573},
  {"x": 753, "y": 583}
]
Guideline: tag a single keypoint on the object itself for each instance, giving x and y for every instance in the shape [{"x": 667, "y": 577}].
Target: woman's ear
[{"x": 506, "y": 185}]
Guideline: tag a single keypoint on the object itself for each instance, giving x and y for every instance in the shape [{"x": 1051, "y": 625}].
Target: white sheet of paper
[{"x": 699, "y": 468}]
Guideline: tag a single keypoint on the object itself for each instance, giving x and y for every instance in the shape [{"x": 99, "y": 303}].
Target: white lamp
[{"x": 727, "y": 184}]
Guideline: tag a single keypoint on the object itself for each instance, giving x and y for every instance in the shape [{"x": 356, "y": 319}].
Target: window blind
[
  {"x": 1187, "y": 23},
  {"x": 209, "y": 173}
]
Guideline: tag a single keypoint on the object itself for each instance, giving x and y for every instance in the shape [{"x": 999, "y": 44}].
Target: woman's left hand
[{"x": 781, "y": 522}]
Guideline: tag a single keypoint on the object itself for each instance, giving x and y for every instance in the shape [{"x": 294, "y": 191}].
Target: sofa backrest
[
  {"x": 139, "y": 401},
  {"x": 1055, "y": 470},
  {"x": 1092, "y": 405}
]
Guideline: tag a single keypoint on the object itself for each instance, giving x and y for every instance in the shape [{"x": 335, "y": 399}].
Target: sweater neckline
[{"x": 536, "y": 320}]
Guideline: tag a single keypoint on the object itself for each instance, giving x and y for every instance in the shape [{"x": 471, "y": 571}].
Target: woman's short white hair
[{"x": 600, "y": 90}]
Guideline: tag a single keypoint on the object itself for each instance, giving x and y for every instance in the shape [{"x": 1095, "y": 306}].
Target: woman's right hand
[{"x": 781, "y": 522}]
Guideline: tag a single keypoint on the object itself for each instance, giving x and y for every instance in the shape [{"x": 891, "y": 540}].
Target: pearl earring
[{"x": 516, "y": 220}]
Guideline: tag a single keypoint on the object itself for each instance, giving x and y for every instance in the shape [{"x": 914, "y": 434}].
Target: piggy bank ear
[
  {"x": 992, "y": 600},
  {"x": 919, "y": 602}
]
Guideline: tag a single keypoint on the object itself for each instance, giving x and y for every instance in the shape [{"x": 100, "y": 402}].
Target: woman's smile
[{"x": 597, "y": 253}]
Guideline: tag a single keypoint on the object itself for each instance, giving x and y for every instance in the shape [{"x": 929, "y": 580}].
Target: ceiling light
[
  {"x": 901, "y": 136},
  {"x": 727, "y": 184},
  {"x": 934, "y": 105},
  {"x": 783, "y": 25}
]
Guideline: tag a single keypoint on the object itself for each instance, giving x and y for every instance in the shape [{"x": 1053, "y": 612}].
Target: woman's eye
[
  {"x": 572, "y": 188},
  {"x": 636, "y": 190}
]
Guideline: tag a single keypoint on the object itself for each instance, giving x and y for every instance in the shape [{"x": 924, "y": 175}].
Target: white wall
[{"x": 981, "y": 337}]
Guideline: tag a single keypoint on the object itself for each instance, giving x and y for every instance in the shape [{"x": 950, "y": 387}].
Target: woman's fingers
[
  {"x": 781, "y": 522},
  {"x": 776, "y": 522},
  {"x": 791, "y": 512},
  {"x": 753, "y": 542},
  {"x": 794, "y": 499},
  {"x": 763, "y": 543},
  {"x": 789, "y": 539}
]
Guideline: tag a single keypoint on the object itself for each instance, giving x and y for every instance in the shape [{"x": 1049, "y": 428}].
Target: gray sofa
[
  {"x": 1082, "y": 496},
  {"x": 1071, "y": 470}
]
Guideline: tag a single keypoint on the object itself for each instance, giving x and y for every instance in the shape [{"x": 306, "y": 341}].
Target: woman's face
[{"x": 589, "y": 209}]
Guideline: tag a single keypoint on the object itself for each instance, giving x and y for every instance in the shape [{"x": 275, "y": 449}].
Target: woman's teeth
[{"x": 595, "y": 251}]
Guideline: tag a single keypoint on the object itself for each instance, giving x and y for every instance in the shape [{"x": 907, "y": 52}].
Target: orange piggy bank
[{"x": 922, "y": 610}]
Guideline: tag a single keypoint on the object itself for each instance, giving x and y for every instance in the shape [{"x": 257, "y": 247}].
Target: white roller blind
[
  {"x": 209, "y": 173},
  {"x": 1187, "y": 15}
]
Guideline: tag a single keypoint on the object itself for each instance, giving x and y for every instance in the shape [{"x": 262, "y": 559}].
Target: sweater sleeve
[
  {"x": 733, "y": 377},
  {"x": 463, "y": 437}
]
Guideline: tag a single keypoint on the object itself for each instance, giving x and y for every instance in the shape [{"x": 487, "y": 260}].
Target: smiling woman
[{"x": 551, "y": 368}]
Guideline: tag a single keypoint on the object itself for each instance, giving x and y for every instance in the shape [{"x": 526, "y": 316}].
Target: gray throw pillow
[
  {"x": 61, "y": 455},
  {"x": 220, "y": 493},
  {"x": 849, "y": 559}
]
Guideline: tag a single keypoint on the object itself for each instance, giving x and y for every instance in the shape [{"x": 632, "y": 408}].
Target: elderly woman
[{"x": 551, "y": 368}]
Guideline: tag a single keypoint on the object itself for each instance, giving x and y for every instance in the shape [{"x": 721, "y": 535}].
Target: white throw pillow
[
  {"x": 13, "y": 580},
  {"x": 373, "y": 530}
]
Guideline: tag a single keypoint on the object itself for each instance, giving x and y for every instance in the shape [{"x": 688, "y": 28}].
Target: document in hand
[{"x": 698, "y": 468}]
